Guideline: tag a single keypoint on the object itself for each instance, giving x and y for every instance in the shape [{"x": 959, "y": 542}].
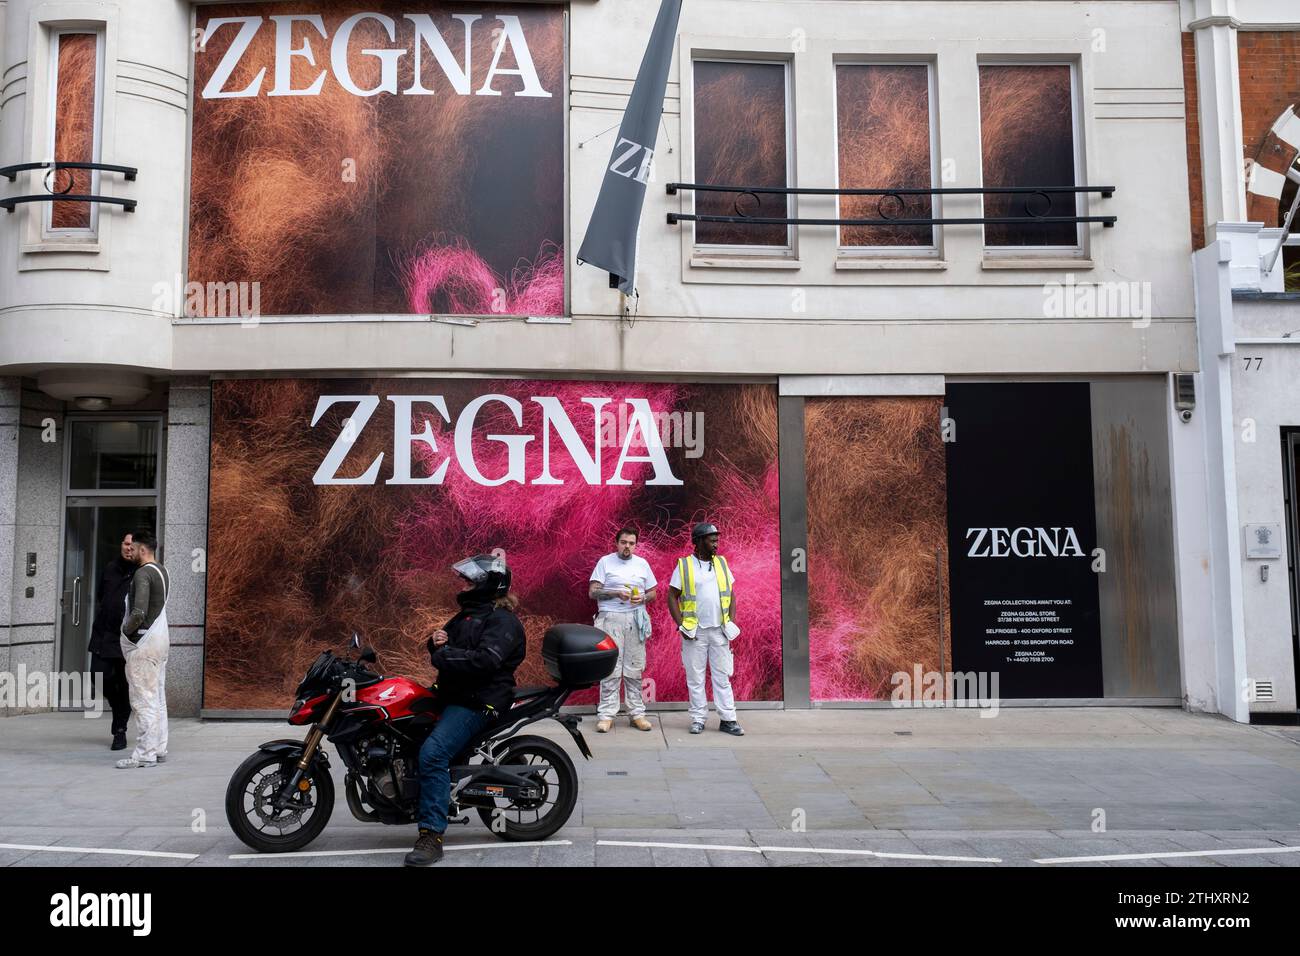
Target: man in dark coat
[
  {"x": 105, "y": 637},
  {"x": 476, "y": 654}
]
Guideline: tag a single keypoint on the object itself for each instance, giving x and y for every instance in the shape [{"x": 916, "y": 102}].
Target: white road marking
[
  {"x": 1168, "y": 855},
  {"x": 500, "y": 845},
  {"x": 801, "y": 849},
  {"x": 92, "y": 849}
]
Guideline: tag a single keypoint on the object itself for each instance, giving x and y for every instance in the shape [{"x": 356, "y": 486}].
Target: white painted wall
[
  {"x": 1252, "y": 625},
  {"x": 1266, "y": 394},
  {"x": 73, "y": 309},
  {"x": 94, "y": 307}
]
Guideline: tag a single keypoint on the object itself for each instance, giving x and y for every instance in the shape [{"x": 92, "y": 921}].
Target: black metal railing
[
  {"x": 1032, "y": 216},
  {"x": 66, "y": 195}
]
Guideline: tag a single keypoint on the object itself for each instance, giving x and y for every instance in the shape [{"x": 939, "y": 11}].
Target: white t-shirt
[
  {"x": 708, "y": 601},
  {"x": 612, "y": 572}
]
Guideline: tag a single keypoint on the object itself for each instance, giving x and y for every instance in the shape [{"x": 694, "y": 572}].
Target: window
[
  {"x": 883, "y": 124},
  {"x": 75, "y": 66},
  {"x": 114, "y": 455},
  {"x": 1027, "y": 131},
  {"x": 742, "y": 138}
]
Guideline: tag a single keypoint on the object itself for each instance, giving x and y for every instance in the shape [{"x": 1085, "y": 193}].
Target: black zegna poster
[{"x": 1021, "y": 531}]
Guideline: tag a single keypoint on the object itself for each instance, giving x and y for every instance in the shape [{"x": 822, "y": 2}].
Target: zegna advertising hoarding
[
  {"x": 339, "y": 505},
  {"x": 378, "y": 156},
  {"x": 1022, "y": 531}
]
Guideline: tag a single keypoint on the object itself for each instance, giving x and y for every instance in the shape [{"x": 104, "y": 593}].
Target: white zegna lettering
[
  {"x": 554, "y": 417},
  {"x": 1023, "y": 543},
  {"x": 425, "y": 35},
  {"x": 327, "y": 473},
  {"x": 249, "y": 26},
  {"x": 387, "y": 58},
  {"x": 643, "y": 421},
  {"x": 284, "y": 54},
  {"x": 642, "y": 433},
  {"x": 620, "y": 165},
  {"x": 515, "y": 444},
  {"x": 514, "y": 35},
  {"x": 402, "y": 439}
]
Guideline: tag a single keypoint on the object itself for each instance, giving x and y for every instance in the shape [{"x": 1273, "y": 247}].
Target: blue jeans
[{"x": 449, "y": 736}]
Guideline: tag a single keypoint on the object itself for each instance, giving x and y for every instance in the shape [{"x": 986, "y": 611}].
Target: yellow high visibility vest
[{"x": 687, "y": 601}]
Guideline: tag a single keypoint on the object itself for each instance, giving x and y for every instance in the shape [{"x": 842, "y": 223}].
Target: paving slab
[{"x": 1020, "y": 786}]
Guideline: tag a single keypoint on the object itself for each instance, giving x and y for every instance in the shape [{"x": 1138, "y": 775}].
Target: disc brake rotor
[{"x": 264, "y": 793}]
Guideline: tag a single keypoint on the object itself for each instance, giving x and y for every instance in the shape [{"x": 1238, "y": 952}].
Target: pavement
[{"x": 1042, "y": 787}]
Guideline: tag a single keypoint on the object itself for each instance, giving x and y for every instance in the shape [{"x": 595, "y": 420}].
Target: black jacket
[
  {"x": 110, "y": 608},
  {"x": 476, "y": 667}
]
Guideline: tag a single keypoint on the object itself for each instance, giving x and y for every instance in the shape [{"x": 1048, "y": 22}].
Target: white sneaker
[{"x": 130, "y": 763}]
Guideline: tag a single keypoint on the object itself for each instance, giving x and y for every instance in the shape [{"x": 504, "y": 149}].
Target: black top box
[{"x": 578, "y": 655}]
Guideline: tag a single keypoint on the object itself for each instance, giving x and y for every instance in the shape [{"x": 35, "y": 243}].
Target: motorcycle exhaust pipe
[{"x": 351, "y": 790}]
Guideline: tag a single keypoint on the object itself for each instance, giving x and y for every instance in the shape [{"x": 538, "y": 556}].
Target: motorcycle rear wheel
[
  {"x": 559, "y": 793},
  {"x": 247, "y": 794}
]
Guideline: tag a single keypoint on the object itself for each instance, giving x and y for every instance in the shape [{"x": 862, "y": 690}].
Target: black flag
[{"x": 611, "y": 238}]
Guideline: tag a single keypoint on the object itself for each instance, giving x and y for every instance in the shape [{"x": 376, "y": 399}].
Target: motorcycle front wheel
[
  {"x": 558, "y": 780},
  {"x": 257, "y": 823}
]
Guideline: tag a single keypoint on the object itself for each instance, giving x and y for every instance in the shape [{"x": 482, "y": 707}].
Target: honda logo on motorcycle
[{"x": 641, "y": 442}]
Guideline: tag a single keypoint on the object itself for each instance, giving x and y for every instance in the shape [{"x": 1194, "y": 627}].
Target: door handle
[{"x": 76, "y": 601}]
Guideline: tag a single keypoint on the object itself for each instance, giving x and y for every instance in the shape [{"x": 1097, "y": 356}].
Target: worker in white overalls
[
  {"x": 622, "y": 584},
  {"x": 145, "y": 642},
  {"x": 702, "y": 600}
]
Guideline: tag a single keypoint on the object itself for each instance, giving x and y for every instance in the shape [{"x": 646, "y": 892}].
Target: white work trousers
[
  {"x": 710, "y": 648},
  {"x": 146, "y": 680},
  {"x": 627, "y": 671}
]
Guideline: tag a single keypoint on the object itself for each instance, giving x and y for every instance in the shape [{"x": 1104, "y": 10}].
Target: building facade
[
  {"x": 1242, "y": 67},
  {"x": 318, "y": 319}
]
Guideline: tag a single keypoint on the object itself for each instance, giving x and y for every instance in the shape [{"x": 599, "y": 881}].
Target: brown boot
[
  {"x": 603, "y": 725},
  {"x": 640, "y": 723}
]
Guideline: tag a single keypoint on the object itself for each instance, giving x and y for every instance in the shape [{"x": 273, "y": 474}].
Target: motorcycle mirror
[
  {"x": 368, "y": 656},
  {"x": 355, "y": 642}
]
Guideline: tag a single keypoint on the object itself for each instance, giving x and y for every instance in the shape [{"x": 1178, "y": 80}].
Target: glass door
[
  {"x": 1291, "y": 493},
  {"x": 110, "y": 489},
  {"x": 92, "y": 537}
]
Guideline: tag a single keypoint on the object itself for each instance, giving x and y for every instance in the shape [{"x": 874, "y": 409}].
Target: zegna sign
[
  {"x": 1023, "y": 543},
  {"x": 456, "y": 67},
  {"x": 555, "y": 423}
]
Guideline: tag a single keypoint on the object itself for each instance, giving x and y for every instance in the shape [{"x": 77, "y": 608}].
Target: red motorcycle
[{"x": 523, "y": 788}]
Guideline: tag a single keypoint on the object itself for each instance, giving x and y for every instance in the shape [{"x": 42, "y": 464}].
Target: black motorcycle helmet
[{"x": 488, "y": 576}]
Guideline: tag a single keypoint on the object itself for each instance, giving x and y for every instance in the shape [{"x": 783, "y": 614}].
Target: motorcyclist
[{"x": 476, "y": 654}]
